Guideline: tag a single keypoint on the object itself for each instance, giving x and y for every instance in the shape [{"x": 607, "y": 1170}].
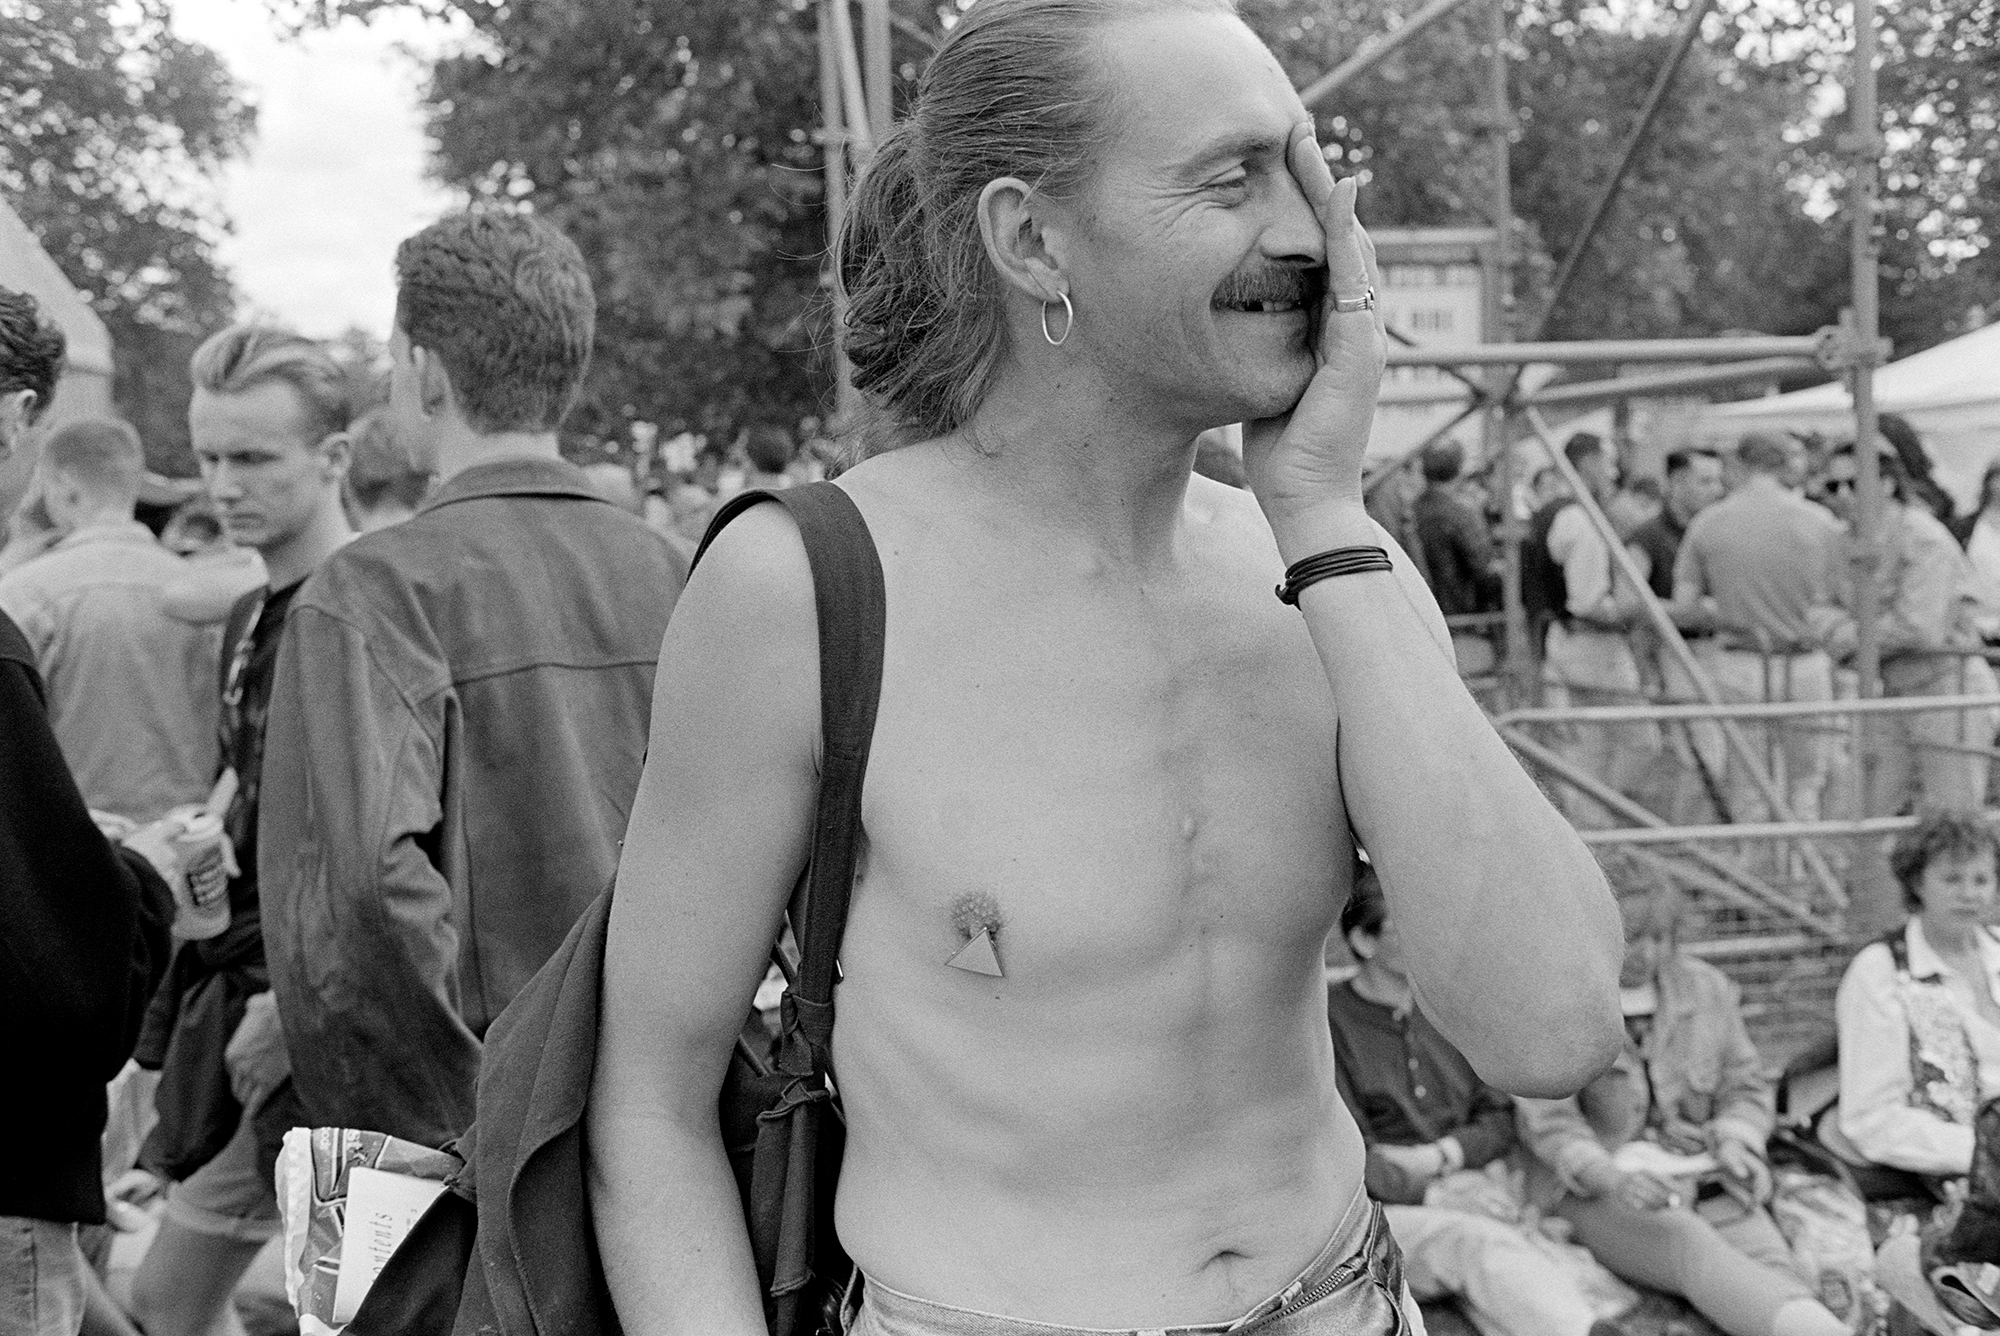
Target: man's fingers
[{"x": 1309, "y": 168}]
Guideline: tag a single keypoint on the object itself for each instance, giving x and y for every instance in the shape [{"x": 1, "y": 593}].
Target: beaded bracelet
[{"x": 1326, "y": 565}]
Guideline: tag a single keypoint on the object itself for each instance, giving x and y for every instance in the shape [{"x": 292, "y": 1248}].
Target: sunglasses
[{"x": 1839, "y": 485}]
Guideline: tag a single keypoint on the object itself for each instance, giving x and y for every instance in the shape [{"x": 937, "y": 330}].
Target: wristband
[{"x": 1326, "y": 565}]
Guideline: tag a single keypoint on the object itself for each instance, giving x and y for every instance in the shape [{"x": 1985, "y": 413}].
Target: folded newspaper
[{"x": 348, "y": 1198}]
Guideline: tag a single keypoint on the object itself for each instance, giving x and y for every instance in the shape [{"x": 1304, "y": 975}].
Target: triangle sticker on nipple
[{"x": 978, "y": 956}]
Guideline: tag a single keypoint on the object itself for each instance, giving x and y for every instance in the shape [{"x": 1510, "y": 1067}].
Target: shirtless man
[{"x": 1096, "y": 720}]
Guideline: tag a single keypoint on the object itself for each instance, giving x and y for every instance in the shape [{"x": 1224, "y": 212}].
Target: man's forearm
[
  {"x": 670, "y": 1229},
  {"x": 1485, "y": 916}
]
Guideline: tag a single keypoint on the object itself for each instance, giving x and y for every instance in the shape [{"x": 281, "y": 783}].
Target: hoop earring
[{"x": 1068, "y": 325}]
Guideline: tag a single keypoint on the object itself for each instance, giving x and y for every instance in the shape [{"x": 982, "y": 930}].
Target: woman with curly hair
[{"x": 1919, "y": 1010}]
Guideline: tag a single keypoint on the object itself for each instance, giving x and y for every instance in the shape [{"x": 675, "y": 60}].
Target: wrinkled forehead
[{"x": 1193, "y": 90}]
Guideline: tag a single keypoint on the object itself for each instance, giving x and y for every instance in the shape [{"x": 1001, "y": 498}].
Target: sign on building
[{"x": 1433, "y": 293}]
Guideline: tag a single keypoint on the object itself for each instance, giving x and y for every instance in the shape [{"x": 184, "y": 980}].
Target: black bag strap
[{"x": 851, "y": 603}]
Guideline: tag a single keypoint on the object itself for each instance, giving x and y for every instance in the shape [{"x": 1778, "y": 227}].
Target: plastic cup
[{"x": 201, "y": 902}]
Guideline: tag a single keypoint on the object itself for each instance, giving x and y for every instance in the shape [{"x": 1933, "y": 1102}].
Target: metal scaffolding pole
[
  {"x": 1518, "y": 672},
  {"x": 1876, "y": 906},
  {"x": 834, "y": 148},
  {"x": 1600, "y": 208},
  {"x": 1670, "y": 635},
  {"x": 875, "y": 65}
]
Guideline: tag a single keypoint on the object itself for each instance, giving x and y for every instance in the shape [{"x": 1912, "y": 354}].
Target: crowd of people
[
  {"x": 300, "y": 792},
  {"x": 1751, "y": 554}
]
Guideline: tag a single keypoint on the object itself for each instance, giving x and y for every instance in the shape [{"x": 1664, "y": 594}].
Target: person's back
[
  {"x": 131, "y": 687},
  {"x": 460, "y": 707},
  {"x": 1762, "y": 554},
  {"x": 519, "y": 614}
]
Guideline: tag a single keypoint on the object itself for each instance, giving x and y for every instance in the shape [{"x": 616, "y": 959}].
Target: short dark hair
[
  {"x": 1443, "y": 461},
  {"x": 1763, "y": 452},
  {"x": 1936, "y": 835},
  {"x": 504, "y": 301},
  {"x": 1366, "y": 910},
  {"x": 769, "y": 448},
  {"x": 31, "y": 350},
  {"x": 1582, "y": 446},
  {"x": 1680, "y": 461}
]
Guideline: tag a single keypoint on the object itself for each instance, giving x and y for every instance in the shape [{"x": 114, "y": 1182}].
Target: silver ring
[
  {"x": 1354, "y": 305},
  {"x": 1674, "y": 1201}
]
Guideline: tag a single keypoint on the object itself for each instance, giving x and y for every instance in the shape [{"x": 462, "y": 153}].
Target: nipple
[{"x": 977, "y": 918}]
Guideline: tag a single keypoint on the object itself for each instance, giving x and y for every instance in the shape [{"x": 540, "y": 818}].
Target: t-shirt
[
  {"x": 1660, "y": 539},
  {"x": 250, "y": 662},
  {"x": 1763, "y": 554}
]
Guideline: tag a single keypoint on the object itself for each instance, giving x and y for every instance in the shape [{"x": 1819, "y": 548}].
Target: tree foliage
[
  {"x": 111, "y": 128},
  {"x": 1733, "y": 216},
  {"x": 677, "y": 141}
]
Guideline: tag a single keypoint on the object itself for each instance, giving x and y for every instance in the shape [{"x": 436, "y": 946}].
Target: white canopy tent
[
  {"x": 85, "y": 390},
  {"x": 1950, "y": 394}
]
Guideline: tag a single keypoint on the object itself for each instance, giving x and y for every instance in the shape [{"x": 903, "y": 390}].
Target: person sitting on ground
[
  {"x": 385, "y": 481},
  {"x": 1104, "y": 779},
  {"x": 1919, "y": 1010},
  {"x": 1425, "y": 1115},
  {"x": 1689, "y": 1080}
]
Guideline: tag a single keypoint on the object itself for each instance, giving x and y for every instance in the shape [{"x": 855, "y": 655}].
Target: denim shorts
[{"x": 1353, "y": 1288}]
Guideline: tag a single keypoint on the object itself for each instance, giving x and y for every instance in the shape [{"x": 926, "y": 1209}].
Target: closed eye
[{"x": 1231, "y": 185}]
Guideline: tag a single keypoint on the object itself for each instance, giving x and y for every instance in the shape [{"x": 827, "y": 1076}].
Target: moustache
[{"x": 1272, "y": 288}]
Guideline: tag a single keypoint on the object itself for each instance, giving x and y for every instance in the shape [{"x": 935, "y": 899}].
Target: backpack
[
  {"x": 510, "y": 1248},
  {"x": 1544, "y": 587}
]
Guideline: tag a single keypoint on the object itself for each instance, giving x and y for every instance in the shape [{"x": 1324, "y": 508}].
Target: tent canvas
[
  {"x": 1950, "y": 394},
  {"x": 25, "y": 267}
]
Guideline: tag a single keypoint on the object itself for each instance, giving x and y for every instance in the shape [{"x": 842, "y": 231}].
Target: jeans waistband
[{"x": 1350, "y": 1249}]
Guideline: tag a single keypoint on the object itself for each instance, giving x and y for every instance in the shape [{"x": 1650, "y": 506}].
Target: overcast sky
[{"x": 335, "y": 175}]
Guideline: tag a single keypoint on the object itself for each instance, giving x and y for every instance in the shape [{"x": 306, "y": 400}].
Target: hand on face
[{"x": 1310, "y": 457}]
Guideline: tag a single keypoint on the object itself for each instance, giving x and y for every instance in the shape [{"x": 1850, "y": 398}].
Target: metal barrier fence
[{"x": 1779, "y": 905}]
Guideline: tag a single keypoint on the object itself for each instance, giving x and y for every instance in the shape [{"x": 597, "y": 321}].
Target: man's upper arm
[
  {"x": 363, "y": 949},
  {"x": 720, "y": 824}
]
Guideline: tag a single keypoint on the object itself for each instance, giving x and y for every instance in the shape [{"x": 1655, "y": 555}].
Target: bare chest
[{"x": 1100, "y": 773}]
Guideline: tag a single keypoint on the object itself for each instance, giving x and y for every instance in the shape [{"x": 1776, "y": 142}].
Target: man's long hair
[{"x": 1015, "y": 90}]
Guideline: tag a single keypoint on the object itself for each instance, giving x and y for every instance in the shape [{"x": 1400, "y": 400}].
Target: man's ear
[
  {"x": 336, "y": 452},
  {"x": 1014, "y": 223},
  {"x": 434, "y": 392}
]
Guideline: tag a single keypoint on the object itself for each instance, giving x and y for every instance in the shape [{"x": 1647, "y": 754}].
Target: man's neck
[
  {"x": 101, "y": 517},
  {"x": 293, "y": 559},
  {"x": 1384, "y": 988},
  {"x": 458, "y": 452},
  {"x": 1080, "y": 465}
]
